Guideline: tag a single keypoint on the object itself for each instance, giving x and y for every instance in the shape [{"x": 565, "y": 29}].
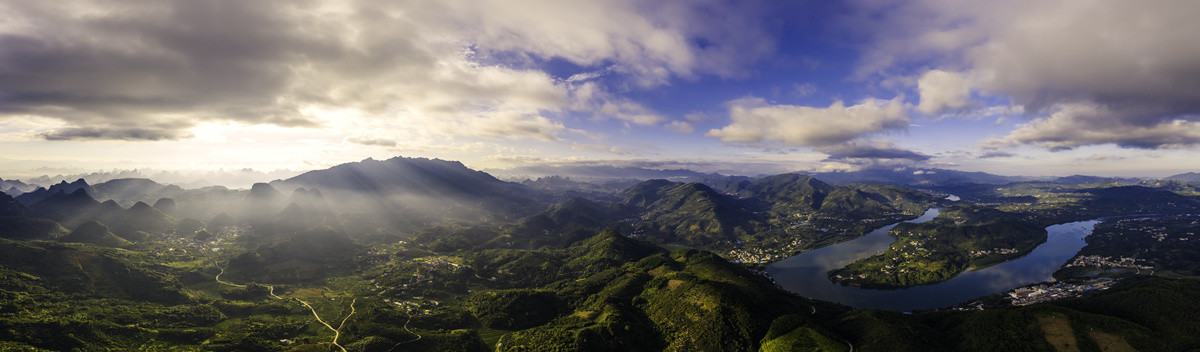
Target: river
[{"x": 805, "y": 273}]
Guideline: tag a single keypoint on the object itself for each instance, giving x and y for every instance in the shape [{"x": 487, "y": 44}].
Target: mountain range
[
  {"x": 429, "y": 255},
  {"x": 427, "y": 186},
  {"x": 601, "y": 173},
  {"x": 742, "y": 212},
  {"x": 1185, "y": 177},
  {"x": 709, "y": 209},
  {"x": 15, "y": 187}
]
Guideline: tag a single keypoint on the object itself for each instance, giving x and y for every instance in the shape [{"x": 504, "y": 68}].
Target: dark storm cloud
[
  {"x": 83, "y": 133},
  {"x": 877, "y": 150},
  {"x": 995, "y": 154}
]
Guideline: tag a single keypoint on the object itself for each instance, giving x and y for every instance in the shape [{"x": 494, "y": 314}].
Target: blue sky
[{"x": 747, "y": 87}]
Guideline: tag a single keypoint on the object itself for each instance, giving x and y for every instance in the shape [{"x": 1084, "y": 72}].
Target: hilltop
[{"x": 428, "y": 255}]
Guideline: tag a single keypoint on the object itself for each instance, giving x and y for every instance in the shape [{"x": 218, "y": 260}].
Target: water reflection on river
[{"x": 805, "y": 273}]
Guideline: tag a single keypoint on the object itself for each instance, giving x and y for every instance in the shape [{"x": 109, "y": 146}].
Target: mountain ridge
[{"x": 400, "y": 181}]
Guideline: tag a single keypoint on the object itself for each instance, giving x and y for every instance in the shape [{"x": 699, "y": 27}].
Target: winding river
[{"x": 805, "y": 273}]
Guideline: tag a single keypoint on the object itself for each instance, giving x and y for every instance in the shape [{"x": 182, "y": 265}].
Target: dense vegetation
[
  {"x": 1007, "y": 224},
  {"x": 751, "y": 221},
  {"x": 961, "y": 237},
  {"x": 1117, "y": 247},
  {"x": 267, "y": 270}
]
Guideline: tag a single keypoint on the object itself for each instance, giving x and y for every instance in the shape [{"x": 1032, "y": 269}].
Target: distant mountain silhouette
[
  {"x": 67, "y": 207},
  {"x": 42, "y": 193},
  {"x": 602, "y": 172},
  {"x": 131, "y": 190},
  {"x": 262, "y": 192},
  {"x": 1082, "y": 179},
  {"x": 107, "y": 209},
  {"x": 400, "y": 183},
  {"x": 165, "y": 205},
  {"x": 143, "y": 217},
  {"x": 78, "y": 207},
  {"x": 917, "y": 177},
  {"x": 407, "y": 175},
  {"x": 15, "y": 187},
  {"x": 305, "y": 209},
  {"x": 308, "y": 206},
  {"x": 1185, "y": 177},
  {"x": 261, "y": 203},
  {"x": 207, "y": 202}
]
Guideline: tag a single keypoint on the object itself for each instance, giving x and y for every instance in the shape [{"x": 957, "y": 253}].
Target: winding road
[
  {"x": 409, "y": 331},
  {"x": 336, "y": 332}
]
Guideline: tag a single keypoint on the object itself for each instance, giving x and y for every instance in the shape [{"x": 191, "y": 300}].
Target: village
[
  {"x": 994, "y": 251},
  {"x": 763, "y": 255},
  {"x": 1046, "y": 292},
  {"x": 1108, "y": 262}
]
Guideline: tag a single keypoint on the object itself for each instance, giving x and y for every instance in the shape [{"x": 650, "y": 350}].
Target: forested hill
[
  {"x": 792, "y": 208},
  {"x": 427, "y": 255}
]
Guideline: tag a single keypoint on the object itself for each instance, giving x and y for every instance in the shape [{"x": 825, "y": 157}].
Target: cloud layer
[
  {"x": 870, "y": 150},
  {"x": 943, "y": 91},
  {"x": 1075, "y": 125},
  {"x": 1089, "y": 71},
  {"x": 153, "y": 69},
  {"x": 756, "y": 121}
]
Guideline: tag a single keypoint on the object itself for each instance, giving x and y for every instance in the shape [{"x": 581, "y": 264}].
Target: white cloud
[
  {"x": 584, "y": 76},
  {"x": 372, "y": 141},
  {"x": 583, "y": 147},
  {"x": 1136, "y": 63},
  {"x": 115, "y": 69},
  {"x": 695, "y": 117},
  {"x": 591, "y": 97},
  {"x": 681, "y": 127},
  {"x": 1075, "y": 125},
  {"x": 943, "y": 91},
  {"x": 803, "y": 90},
  {"x": 1102, "y": 157},
  {"x": 754, "y": 121}
]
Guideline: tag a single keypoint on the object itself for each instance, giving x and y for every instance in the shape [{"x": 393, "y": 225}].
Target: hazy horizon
[{"x": 244, "y": 178}]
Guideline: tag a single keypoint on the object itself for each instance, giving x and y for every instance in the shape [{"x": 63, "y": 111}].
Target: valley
[
  {"x": 341, "y": 265},
  {"x": 599, "y": 176}
]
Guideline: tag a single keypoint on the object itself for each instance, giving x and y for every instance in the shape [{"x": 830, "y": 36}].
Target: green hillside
[
  {"x": 961, "y": 237},
  {"x": 94, "y": 233},
  {"x": 660, "y": 266}
]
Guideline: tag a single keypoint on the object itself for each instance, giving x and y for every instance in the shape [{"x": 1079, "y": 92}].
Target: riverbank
[{"x": 805, "y": 274}]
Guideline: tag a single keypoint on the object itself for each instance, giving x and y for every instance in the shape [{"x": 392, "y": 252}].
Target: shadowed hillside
[{"x": 428, "y": 187}]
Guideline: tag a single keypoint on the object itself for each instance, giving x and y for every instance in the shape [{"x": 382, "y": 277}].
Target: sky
[{"x": 1022, "y": 87}]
